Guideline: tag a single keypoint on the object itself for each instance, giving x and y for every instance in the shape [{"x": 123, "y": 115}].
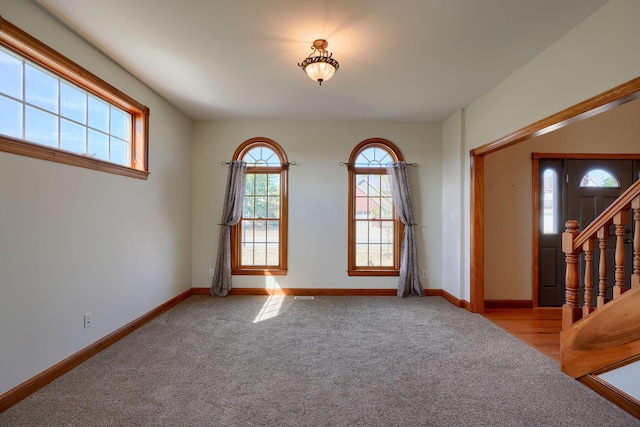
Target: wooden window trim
[
  {"x": 34, "y": 50},
  {"x": 280, "y": 270},
  {"x": 398, "y": 229}
]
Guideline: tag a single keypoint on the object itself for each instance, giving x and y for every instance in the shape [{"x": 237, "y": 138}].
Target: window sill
[
  {"x": 371, "y": 272},
  {"x": 23, "y": 148},
  {"x": 259, "y": 272}
]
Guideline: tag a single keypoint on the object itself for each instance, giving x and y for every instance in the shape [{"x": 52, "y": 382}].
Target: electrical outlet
[
  {"x": 87, "y": 320},
  {"x": 424, "y": 274},
  {"x": 211, "y": 273}
]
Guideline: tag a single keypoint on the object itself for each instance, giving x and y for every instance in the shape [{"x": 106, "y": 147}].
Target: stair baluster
[
  {"x": 587, "y": 248},
  {"x": 635, "y": 277},
  {"x": 619, "y": 221},
  {"x": 603, "y": 235}
]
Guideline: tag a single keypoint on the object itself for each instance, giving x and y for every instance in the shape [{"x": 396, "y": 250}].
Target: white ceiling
[{"x": 404, "y": 60}]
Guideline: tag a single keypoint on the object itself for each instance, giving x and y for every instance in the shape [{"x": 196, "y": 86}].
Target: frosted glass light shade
[
  {"x": 319, "y": 66},
  {"x": 320, "y": 71}
]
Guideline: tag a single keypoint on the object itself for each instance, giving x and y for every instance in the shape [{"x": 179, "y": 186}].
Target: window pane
[
  {"x": 374, "y": 185},
  {"x": 250, "y": 185},
  {"x": 261, "y": 207},
  {"x": 386, "y": 208},
  {"x": 72, "y": 137},
  {"x": 272, "y": 254},
  {"x": 73, "y": 103},
  {"x": 98, "y": 145},
  {"x": 261, "y": 184},
  {"x": 374, "y": 208},
  {"x": 374, "y": 256},
  {"x": 386, "y": 232},
  {"x": 249, "y": 207},
  {"x": 262, "y": 156},
  {"x": 362, "y": 255},
  {"x": 10, "y": 75},
  {"x": 599, "y": 178},
  {"x": 246, "y": 245},
  {"x": 41, "y": 89},
  {"x": 373, "y": 157},
  {"x": 120, "y": 124},
  {"x": 11, "y": 117},
  {"x": 98, "y": 114},
  {"x": 273, "y": 207},
  {"x": 274, "y": 184},
  {"x": 362, "y": 232},
  {"x": 386, "y": 255},
  {"x": 550, "y": 202},
  {"x": 120, "y": 151},
  {"x": 273, "y": 231},
  {"x": 375, "y": 232},
  {"x": 260, "y": 254},
  {"x": 246, "y": 254},
  {"x": 247, "y": 231},
  {"x": 41, "y": 127},
  {"x": 385, "y": 185},
  {"x": 260, "y": 231}
]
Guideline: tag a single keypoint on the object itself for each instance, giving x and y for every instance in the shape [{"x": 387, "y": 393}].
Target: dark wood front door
[{"x": 578, "y": 189}]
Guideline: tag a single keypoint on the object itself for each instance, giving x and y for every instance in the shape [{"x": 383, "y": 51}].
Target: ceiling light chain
[{"x": 319, "y": 65}]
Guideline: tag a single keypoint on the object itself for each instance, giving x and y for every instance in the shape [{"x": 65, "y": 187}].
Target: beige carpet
[{"x": 330, "y": 361}]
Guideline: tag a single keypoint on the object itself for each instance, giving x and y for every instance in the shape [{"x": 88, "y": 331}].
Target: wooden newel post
[{"x": 571, "y": 311}]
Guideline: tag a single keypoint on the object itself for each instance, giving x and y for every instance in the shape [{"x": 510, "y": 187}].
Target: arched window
[
  {"x": 259, "y": 240},
  {"x": 599, "y": 178},
  {"x": 374, "y": 228}
]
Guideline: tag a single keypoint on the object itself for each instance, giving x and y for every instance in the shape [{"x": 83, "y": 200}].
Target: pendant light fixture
[{"x": 319, "y": 65}]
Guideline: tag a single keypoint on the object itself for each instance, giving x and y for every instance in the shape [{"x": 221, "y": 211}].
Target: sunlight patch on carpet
[{"x": 270, "y": 309}]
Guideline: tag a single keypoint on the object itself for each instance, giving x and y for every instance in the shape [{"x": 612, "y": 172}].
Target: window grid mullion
[{"x": 24, "y": 94}]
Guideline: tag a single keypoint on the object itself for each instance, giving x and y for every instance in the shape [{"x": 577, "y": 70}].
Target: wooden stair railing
[
  {"x": 575, "y": 243},
  {"x": 594, "y": 237}
]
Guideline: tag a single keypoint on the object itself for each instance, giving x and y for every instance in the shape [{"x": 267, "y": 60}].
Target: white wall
[
  {"x": 74, "y": 240},
  {"x": 452, "y": 181},
  {"x": 508, "y": 197},
  {"x": 598, "y": 54},
  {"x": 317, "y": 196}
]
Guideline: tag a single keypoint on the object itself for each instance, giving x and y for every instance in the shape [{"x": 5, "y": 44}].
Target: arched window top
[
  {"x": 599, "y": 178},
  {"x": 261, "y": 153},
  {"x": 262, "y": 156},
  {"x": 373, "y": 157},
  {"x": 374, "y": 153}
]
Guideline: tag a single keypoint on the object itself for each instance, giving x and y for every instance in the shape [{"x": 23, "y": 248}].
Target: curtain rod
[
  {"x": 349, "y": 164},
  {"x": 290, "y": 163}
]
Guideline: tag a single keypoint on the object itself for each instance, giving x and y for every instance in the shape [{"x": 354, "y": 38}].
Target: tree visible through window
[
  {"x": 374, "y": 227},
  {"x": 259, "y": 239}
]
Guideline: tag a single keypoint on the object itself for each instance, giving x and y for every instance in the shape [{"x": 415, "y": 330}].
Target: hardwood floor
[{"x": 538, "y": 327}]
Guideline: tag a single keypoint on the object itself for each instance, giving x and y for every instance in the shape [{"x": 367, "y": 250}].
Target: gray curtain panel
[
  {"x": 231, "y": 214},
  {"x": 409, "y": 280}
]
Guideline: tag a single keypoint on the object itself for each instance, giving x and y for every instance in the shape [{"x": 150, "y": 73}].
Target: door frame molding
[
  {"x": 605, "y": 101},
  {"x": 535, "y": 169}
]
